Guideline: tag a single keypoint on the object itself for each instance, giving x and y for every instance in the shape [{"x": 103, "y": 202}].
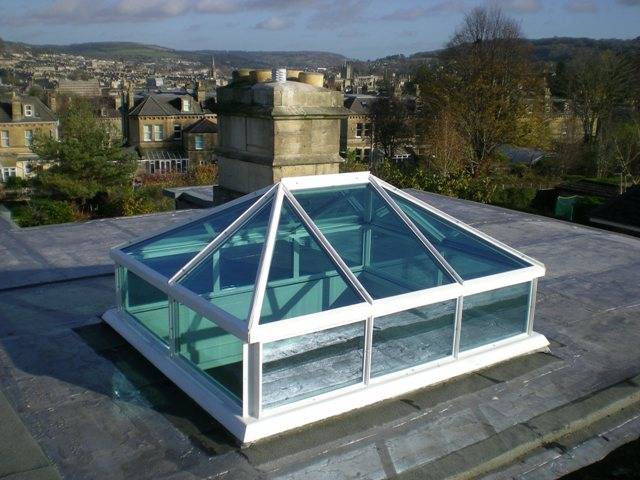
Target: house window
[
  {"x": 177, "y": 132},
  {"x": 359, "y": 130},
  {"x": 28, "y": 110},
  {"x": 359, "y": 154},
  {"x": 7, "y": 172},
  {"x": 186, "y": 105},
  {"x": 147, "y": 133},
  {"x": 158, "y": 133},
  {"x": 4, "y": 138},
  {"x": 367, "y": 155},
  {"x": 199, "y": 142},
  {"x": 367, "y": 130},
  {"x": 28, "y": 138}
]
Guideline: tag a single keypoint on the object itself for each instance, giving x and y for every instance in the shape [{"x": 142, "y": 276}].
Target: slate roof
[
  {"x": 41, "y": 113},
  {"x": 166, "y": 104},
  {"x": 623, "y": 209},
  {"x": 359, "y": 105},
  {"x": 204, "y": 125}
]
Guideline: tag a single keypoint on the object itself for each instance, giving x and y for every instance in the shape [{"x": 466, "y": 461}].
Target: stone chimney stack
[
  {"x": 130, "y": 97},
  {"x": 16, "y": 107},
  {"x": 270, "y": 130},
  {"x": 201, "y": 93},
  {"x": 52, "y": 101}
]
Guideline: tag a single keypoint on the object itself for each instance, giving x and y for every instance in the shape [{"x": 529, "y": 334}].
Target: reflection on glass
[
  {"x": 495, "y": 315},
  {"x": 470, "y": 256},
  {"x": 214, "y": 351},
  {"x": 302, "y": 277},
  {"x": 170, "y": 251},
  {"x": 146, "y": 304},
  {"x": 375, "y": 243},
  {"x": 312, "y": 364},
  {"x": 226, "y": 277},
  {"x": 412, "y": 337}
]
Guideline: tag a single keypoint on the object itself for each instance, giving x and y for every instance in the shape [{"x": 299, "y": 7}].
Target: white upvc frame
[{"x": 249, "y": 421}]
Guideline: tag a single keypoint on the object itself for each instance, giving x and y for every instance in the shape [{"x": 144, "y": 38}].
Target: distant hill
[{"x": 230, "y": 58}]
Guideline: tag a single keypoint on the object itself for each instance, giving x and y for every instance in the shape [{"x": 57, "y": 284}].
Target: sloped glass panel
[
  {"x": 302, "y": 277},
  {"x": 170, "y": 251},
  {"x": 372, "y": 239},
  {"x": 495, "y": 315},
  {"x": 470, "y": 256},
  {"x": 227, "y": 276}
]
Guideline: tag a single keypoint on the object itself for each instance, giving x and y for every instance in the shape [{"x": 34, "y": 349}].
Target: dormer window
[
  {"x": 28, "y": 110},
  {"x": 186, "y": 105}
]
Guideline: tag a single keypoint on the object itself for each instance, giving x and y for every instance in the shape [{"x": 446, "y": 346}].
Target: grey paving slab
[{"x": 99, "y": 410}]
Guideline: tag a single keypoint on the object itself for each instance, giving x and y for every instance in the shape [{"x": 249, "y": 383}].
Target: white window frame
[
  {"x": 5, "y": 141},
  {"x": 249, "y": 421},
  {"x": 198, "y": 142},
  {"x": 28, "y": 138},
  {"x": 186, "y": 105},
  {"x": 28, "y": 110},
  {"x": 359, "y": 129},
  {"x": 147, "y": 134},
  {"x": 177, "y": 131},
  {"x": 158, "y": 133}
]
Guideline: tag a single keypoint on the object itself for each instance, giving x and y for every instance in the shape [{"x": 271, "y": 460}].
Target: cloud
[
  {"x": 629, "y": 3},
  {"x": 330, "y": 14},
  {"x": 581, "y": 6},
  {"x": 415, "y": 13},
  {"x": 519, "y": 6},
  {"x": 273, "y": 23}
]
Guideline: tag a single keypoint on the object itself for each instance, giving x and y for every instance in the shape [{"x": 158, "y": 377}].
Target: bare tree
[
  {"x": 484, "y": 82},
  {"x": 389, "y": 117},
  {"x": 597, "y": 83}
]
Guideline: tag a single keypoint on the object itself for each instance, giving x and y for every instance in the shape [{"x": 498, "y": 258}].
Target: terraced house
[
  {"x": 22, "y": 117},
  {"x": 158, "y": 125}
]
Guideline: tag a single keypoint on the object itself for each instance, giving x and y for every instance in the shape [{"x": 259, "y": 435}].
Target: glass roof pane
[
  {"x": 227, "y": 276},
  {"x": 170, "y": 251},
  {"x": 303, "y": 278},
  {"x": 372, "y": 239},
  {"x": 470, "y": 256}
]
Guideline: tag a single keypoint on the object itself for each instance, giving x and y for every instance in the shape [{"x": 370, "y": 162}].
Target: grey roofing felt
[
  {"x": 161, "y": 104},
  {"x": 97, "y": 409},
  {"x": 359, "y": 105},
  {"x": 41, "y": 113},
  {"x": 204, "y": 125}
]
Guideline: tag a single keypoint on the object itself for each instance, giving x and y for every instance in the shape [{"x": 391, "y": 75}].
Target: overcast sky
[{"x": 355, "y": 28}]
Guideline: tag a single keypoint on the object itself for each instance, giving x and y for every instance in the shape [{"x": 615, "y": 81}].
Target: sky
[{"x": 364, "y": 29}]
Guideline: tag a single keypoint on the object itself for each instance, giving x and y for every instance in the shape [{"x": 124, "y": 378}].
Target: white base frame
[{"x": 250, "y": 429}]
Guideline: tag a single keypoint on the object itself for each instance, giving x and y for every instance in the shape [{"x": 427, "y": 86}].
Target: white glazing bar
[
  {"x": 199, "y": 218},
  {"x": 368, "y": 348},
  {"x": 226, "y": 233},
  {"x": 119, "y": 282},
  {"x": 245, "y": 380},
  {"x": 439, "y": 258},
  {"x": 458, "y": 327},
  {"x": 255, "y": 380},
  {"x": 337, "y": 259},
  {"x": 265, "y": 258},
  {"x": 174, "y": 326},
  {"x": 321, "y": 181},
  {"x": 532, "y": 305},
  {"x": 460, "y": 224}
]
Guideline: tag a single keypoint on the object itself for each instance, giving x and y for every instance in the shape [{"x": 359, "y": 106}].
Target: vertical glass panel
[
  {"x": 312, "y": 364},
  {"x": 227, "y": 276},
  {"x": 495, "y": 315},
  {"x": 211, "y": 349},
  {"x": 170, "y": 251},
  {"x": 470, "y": 256},
  {"x": 392, "y": 260},
  {"x": 146, "y": 304},
  {"x": 302, "y": 277},
  {"x": 413, "y": 337}
]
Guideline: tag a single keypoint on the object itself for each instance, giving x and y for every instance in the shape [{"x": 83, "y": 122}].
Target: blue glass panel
[
  {"x": 312, "y": 364},
  {"x": 208, "y": 347},
  {"x": 372, "y": 239},
  {"x": 302, "y": 277},
  {"x": 470, "y": 256},
  {"x": 495, "y": 315},
  {"x": 412, "y": 337},
  {"x": 170, "y": 251},
  {"x": 146, "y": 304},
  {"x": 226, "y": 277}
]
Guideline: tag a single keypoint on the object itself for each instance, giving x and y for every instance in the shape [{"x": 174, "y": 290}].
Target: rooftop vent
[{"x": 319, "y": 295}]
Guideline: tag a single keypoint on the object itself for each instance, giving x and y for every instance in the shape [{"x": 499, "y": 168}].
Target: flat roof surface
[{"x": 97, "y": 409}]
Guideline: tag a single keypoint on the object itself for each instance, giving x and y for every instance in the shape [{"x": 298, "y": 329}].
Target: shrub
[{"x": 42, "y": 211}]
